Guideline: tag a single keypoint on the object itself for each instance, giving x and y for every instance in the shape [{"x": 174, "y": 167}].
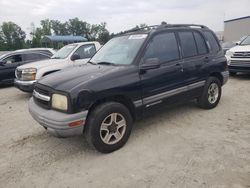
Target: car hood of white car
[
  {"x": 239, "y": 48},
  {"x": 42, "y": 63}
]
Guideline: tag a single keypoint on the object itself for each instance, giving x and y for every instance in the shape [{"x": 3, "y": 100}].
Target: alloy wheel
[{"x": 113, "y": 128}]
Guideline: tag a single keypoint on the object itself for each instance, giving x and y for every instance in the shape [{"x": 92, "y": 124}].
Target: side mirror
[
  {"x": 151, "y": 63},
  {"x": 237, "y": 43},
  {"x": 75, "y": 57},
  {"x": 2, "y": 63}
]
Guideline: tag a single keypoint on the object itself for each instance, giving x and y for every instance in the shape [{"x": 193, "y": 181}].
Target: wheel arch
[
  {"x": 126, "y": 101},
  {"x": 217, "y": 75}
]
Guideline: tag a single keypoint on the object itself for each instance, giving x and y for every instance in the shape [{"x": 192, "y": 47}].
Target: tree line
[{"x": 12, "y": 36}]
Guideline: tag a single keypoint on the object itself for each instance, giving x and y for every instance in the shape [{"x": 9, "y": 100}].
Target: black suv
[
  {"x": 10, "y": 61},
  {"x": 130, "y": 74}
]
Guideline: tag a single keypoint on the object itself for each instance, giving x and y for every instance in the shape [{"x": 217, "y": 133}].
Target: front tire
[
  {"x": 108, "y": 127},
  {"x": 211, "y": 94}
]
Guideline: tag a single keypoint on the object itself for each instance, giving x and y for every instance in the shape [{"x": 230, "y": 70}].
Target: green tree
[
  {"x": 38, "y": 33},
  {"x": 46, "y": 26},
  {"x": 2, "y": 47},
  {"x": 78, "y": 27},
  {"x": 59, "y": 28},
  {"x": 99, "y": 32},
  {"x": 104, "y": 37},
  {"x": 71, "y": 27},
  {"x": 36, "y": 37},
  {"x": 12, "y": 37}
]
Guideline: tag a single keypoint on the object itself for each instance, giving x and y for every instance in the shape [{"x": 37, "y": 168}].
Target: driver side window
[
  {"x": 164, "y": 47},
  {"x": 13, "y": 59},
  {"x": 86, "y": 51}
]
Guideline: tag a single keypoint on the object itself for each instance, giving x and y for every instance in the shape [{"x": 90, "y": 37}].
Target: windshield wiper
[
  {"x": 55, "y": 58},
  {"x": 92, "y": 63},
  {"x": 105, "y": 63}
]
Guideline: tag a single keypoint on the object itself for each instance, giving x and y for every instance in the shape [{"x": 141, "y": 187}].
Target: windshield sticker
[{"x": 142, "y": 36}]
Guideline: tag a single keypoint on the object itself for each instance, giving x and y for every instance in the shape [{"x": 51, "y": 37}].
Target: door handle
[
  {"x": 179, "y": 65},
  {"x": 206, "y": 59}
]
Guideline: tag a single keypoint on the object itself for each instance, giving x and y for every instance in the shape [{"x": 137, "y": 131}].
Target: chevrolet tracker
[{"x": 126, "y": 77}]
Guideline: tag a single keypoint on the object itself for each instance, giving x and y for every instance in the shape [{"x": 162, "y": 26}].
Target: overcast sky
[{"x": 124, "y": 14}]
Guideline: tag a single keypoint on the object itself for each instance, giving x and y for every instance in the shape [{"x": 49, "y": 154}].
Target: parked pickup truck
[
  {"x": 68, "y": 56},
  {"x": 127, "y": 77}
]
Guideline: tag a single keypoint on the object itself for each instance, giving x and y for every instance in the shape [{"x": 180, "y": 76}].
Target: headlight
[
  {"x": 228, "y": 56},
  {"x": 229, "y": 53},
  {"x": 60, "y": 102},
  {"x": 29, "y": 74}
]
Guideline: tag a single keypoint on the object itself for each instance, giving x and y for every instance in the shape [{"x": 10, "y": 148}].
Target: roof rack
[
  {"x": 182, "y": 25},
  {"x": 142, "y": 28},
  {"x": 163, "y": 25}
]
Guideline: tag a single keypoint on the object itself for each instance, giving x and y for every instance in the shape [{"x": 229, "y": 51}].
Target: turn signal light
[{"x": 76, "y": 123}]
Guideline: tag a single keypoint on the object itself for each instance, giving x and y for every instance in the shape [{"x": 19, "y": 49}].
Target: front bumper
[
  {"x": 225, "y": 76},
  {"x": 57, "y": 123},
  {"x": 26, "y": 86},
  {"x": 239, "y": 66},
  {"x": 239, "y": 69}
]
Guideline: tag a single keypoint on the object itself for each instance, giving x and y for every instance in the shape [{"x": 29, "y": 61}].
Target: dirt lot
[{"x": 181, "y": 146}]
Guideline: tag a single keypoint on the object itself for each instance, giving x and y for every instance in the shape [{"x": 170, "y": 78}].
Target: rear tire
[
  {"x": 108, "y": 127},
  {"x": 211, "y": 94}
]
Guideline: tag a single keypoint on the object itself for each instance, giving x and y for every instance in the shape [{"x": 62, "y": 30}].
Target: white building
[{"x": 236, "y": 28}]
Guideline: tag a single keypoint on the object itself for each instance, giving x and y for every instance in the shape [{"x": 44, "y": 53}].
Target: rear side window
[
  {"x": 188, "y": 44},
  {"x": 13, "y": 59},
  {"x": 34, "y": 57},
  {"x": 212, "y": 41},
  {"x": 200, "y": 42},
  {"x": 164, "y": 47}
]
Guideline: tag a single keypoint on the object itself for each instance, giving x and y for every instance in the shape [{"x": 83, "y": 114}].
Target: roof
[
  {"x": 24, "y": 51},
  {"x": 63, "y": 38},
  {"x": 148, "y": 29},
  {"x": 241, "y": 18},
  {"x": 81, "y": 43},
  {"x": 33, "y": 49}
]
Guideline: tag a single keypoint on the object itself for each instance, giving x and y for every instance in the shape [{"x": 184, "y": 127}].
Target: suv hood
[
  {"x": 70, "y": 78},
  {"x": 239, "y": 48},
  {"x": 42, "y": 63}
]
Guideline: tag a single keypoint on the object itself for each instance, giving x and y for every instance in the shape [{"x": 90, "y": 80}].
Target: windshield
[
  {"x": 120, "y": 50},
  {"x": 64, "y": 52},
  {"x": 246, "y": 41}
]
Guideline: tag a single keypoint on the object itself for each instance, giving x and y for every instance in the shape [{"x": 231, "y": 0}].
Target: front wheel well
[{"x": 126, "y": 101}]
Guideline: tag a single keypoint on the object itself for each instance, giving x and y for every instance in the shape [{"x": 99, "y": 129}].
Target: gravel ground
[{"x": 178, "y": 146}]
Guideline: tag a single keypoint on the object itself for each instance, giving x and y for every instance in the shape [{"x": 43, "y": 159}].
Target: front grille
[
  {"x": 18, "y": 74},
  {"x": 42, "y": 103},
  {"x": 241, "y": 55},
  {"x": 240, "y": 63},
  {"x": 42, "y": 90}
]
